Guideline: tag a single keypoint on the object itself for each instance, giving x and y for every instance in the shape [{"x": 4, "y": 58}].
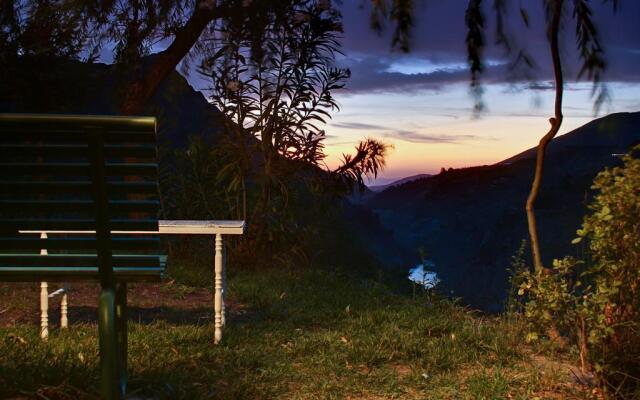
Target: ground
[{"x": 292, "y": 335}]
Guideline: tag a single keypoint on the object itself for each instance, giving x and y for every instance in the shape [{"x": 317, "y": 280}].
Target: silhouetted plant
[{"x": 277, "y": 97}]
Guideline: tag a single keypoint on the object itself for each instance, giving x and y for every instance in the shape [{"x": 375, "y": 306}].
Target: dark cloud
[
  {"x": 439, "y": 38},
  {"x": 372, "y": 74}
]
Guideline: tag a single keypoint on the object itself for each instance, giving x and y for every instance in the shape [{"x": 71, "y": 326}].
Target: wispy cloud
[
  {"x": 417, "y": 137},
  {"x": 358, "y": 126}
]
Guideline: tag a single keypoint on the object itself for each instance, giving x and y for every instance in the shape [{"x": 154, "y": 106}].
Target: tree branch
[
  {"x": 555, "y": 122},
  {"x": 140, "y": 91}
]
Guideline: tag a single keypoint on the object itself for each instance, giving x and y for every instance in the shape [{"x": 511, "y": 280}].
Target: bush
[{"x": 595, "y": 302}]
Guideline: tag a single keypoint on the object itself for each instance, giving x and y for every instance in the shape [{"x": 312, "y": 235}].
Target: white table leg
[
  {"x": 64, "y": 322},
  {"x": 217, "y": 305},
  {"x": 44, "y": 310},
  {"x": 44, "y": 301},
  {"x": 224, "y": 285}
]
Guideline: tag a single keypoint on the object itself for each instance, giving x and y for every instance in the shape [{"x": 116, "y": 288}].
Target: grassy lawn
[{"x": 303, "y": 335}]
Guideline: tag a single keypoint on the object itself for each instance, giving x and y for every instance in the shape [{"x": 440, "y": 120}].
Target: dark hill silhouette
[
  {"x": 60, "y": 86},
  {"x": 380, "y": 188},
  {"x": 472, "y": 220}
]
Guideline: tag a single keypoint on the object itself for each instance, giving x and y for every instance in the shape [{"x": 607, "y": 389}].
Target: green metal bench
[{"x": 82, "y": 173}]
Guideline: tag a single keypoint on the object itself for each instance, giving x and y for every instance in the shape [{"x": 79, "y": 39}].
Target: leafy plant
[
  {"x": 277, "y": 96},
  {"x": 595, "y": 302}
]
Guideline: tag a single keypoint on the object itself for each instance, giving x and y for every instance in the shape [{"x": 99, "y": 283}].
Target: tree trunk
[
  {"x": 555, "y": 122},
  {"x": 140, "y": 91}
]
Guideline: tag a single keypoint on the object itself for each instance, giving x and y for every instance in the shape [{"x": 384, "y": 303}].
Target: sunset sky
[{"x": 420, "y": 101}]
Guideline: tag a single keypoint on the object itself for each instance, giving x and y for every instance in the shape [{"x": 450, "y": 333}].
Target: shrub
[{"x": 595, "y": 302}]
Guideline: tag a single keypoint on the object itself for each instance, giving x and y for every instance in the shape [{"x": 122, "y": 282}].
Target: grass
[{"x": 297, "y": 335}]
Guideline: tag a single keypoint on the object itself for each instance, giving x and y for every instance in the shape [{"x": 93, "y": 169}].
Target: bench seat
[{"x": 79, "y": 267}]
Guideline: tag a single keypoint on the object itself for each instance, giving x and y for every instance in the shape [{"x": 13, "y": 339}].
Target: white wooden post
[
  {"x": 44, "y": 311},
  {"x": 224, "y": 284},
  {"x": 217, "y": 305},
  {"x": 44, "y": 301},
  {"x": 64, "y": 322}
]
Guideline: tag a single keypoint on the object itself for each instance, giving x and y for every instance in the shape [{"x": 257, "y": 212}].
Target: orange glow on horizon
[{"x": 494, "y": 139}]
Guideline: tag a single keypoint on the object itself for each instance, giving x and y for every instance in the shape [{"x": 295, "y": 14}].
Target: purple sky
[{"x": 420, "y": 101}]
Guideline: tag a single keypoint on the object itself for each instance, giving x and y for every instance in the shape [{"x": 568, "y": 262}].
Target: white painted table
[
  {"x": 217, "y": 229},
  {"x": 174, "y": 227}
]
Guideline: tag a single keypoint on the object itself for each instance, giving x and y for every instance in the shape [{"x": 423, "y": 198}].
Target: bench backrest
[{"x": 78, "y": 173}]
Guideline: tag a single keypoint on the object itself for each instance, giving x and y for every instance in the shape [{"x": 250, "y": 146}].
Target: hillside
[
  {"x": 380, "y": 188},
  {"x": 472, "y": 220},
  {"x": 82, "y": 88}
]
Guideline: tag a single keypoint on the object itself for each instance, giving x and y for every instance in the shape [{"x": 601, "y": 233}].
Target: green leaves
[{"x": 596, "y": 302}]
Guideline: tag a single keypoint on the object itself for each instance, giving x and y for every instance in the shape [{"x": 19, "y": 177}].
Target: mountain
[
  {"x": 369, "y": 192},
  {"x": 471, "y": 221},
  {"x": 71, "y": 87},
  {"x": 380, "y": 188}
]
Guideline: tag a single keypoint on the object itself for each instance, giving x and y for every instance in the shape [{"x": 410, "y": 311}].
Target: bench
[{"x": 82, "y": 173}]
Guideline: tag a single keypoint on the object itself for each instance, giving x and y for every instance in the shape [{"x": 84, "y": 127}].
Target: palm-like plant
[{"x": 280, "y": 94}]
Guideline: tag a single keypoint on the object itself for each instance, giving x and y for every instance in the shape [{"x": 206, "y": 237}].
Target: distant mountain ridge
[
  {"x": 380, "y": 188},
  {"x": 471, "y": 221}
]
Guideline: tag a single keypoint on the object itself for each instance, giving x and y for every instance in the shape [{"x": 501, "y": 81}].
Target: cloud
[
  {"x": 416, "y": 137},
  {"x": 357, "y": 125},
  {"x": 438, "y": 43},
  {"x": 373, "y": 75},
  {"x": 350, "y": 142}
]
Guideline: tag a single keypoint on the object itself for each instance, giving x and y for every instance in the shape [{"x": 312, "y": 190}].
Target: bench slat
[
  {"x": 73, "y": 137},
  {"x": 149, "y": 206},
  {"x": 50, "y": 122},
  {"x": 75, "y": 169},
  {"x": 13, "y": 225},
  {"x": 70, "y": 187},
  {"x": 76, "y": 150},
  {"x": 37, "y": 244},
  {"x": 70, "y": 274},
  {"x": 79, "y": 260}
]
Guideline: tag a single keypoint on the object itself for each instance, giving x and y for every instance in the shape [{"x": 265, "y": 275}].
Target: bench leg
[
  {"x": 111, "y": 383},
  {"x": 121, "y": 329}
]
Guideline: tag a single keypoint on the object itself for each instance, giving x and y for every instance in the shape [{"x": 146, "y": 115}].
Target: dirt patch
[
  {"x": 148, "y": 302},
  {"x": 572, "y": 378}
]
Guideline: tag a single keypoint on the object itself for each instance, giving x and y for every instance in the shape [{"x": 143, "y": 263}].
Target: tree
[
  {"x": 591, "y": 54},
  {"x": 79, "y": 29}
]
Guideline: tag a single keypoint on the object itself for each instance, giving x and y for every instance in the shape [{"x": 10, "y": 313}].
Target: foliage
[
  {"x": 277, "y": 97},
  {"x": 596, "y": 301},
  {"x": 80, "y": 28},
  {"x": 516, "y": 275}
]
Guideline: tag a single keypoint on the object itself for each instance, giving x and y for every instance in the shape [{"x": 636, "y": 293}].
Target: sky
[{"x": 421, "y": 104}]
